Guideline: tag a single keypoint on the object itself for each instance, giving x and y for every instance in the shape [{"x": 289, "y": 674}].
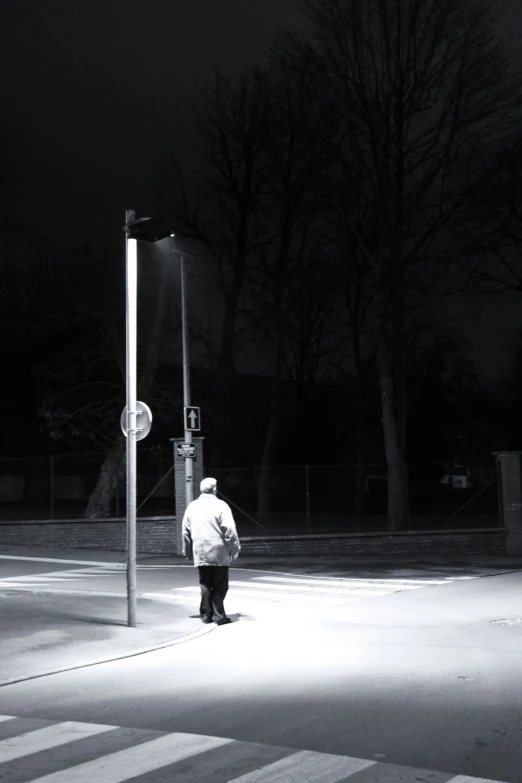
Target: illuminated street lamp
[
  {"x": 145, "y": 230},
  {"x": 184, "y": 248}
]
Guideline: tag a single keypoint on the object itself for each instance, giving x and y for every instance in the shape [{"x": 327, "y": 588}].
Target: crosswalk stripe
[
  {"x": 422, "y": 582},
  {"x": 321, "y": 590},
  {"x": 42, "y": 580},
  {"x": 131, "y": 762},
  {"x": 49, "y": 737},
  {"x": 468, "y": 779},
  {"x": 58, "y": 577},
  {"x": 281, "y": 591},
  {"x": 354, "y": 580},
  {"x": 345, "y": 582},
  {"x": 74, "y": 573},
  {"x": 306, "y": 765},
  {"x": 38, "y": 559},
  {"x": 6, "y": 717},
  {"x": 307, "y": 598},
  {"x": 265, "y": 598},
  {"x": 382, "y": 584}
]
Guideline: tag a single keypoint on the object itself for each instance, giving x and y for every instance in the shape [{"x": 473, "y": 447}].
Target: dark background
[{"x": 94, "y": 94}]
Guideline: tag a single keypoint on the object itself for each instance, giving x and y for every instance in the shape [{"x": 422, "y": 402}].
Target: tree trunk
[
  {"x": 264, "y": 503},
  {"x": 264, "y": 498},
  {"x": 360, "y": 434},
  {"x": 223, "y": 388},
  {"x": 225, "y": 369},
  {"x": 397, "y": 472},
  {"x": 99, "y": 503},
  {"x": 360, "y": 469}
]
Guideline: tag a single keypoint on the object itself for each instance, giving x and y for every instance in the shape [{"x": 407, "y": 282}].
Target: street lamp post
[
  {"x": 184, "y": 247},
  {"x": 131, "y": 275},
  {"x": 146, "y": 230},
  {"x": 189, "y": 471}
]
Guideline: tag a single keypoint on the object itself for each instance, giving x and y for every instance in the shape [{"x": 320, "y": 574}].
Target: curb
[{"x": 142, "y": 651}]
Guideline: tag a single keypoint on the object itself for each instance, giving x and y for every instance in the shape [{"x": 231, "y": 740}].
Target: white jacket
[{"x": 209, "y": 532}]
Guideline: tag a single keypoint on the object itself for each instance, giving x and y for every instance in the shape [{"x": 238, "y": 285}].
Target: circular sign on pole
[{"x": 143, "y": 420}]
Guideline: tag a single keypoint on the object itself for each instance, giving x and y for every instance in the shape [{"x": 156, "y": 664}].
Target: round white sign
[{"x": 143, "y": 420}]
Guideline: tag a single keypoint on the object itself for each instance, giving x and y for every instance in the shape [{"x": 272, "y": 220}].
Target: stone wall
[
  {"x": 489, "y": 541},
  {"x": 157, "y": 535}
]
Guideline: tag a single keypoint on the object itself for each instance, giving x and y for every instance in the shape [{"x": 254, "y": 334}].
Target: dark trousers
[{"x": 213, "y": 581}]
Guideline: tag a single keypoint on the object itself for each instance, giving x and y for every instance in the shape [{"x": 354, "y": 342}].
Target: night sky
[
  {"x": 97, "y": 91},
  {"x": 94, "y": 93}
]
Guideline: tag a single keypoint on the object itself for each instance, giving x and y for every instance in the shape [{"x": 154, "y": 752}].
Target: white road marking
[
  {"x": 379, "y": 584},
  {"x": 74, "y": 575},
  {"x": 468, "y": 779},
  {"x": 147, "y": 757},
  {"x": 291, "y": 590},
  {"x": 37, "y": 559},
  {"x": 306, "y": 766},
  {"x": 62, "y": 560},
  {"x": 385, "y": 580},
  {"x": 318, "y": 590},
  {"x": 175, "y": 565},
  {"x": 156, "y": 754},
  {"x": 47, "y": 577},
  {"x": 189, "y": 593},
  {"x": 49, "y": 737},
  {"x": 47, "y": 590}
]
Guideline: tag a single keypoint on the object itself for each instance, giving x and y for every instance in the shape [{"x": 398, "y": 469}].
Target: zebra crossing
[
  {"x": 60, "y": 578},
  {"x": 299, "y": 591},
  {"x": 250, "y": 590},
  {"x": 44, "y": 751}
]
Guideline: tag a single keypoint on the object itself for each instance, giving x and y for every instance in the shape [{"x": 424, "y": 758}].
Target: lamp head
[{"x": 147, "y": 229}]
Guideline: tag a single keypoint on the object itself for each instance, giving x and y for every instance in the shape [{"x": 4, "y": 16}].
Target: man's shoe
[
  {"x": 226, "y": 621},
  {"x": 206, "y": 620}
]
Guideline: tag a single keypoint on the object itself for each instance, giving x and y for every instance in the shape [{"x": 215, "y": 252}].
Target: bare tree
[
  {"x": 488, "y": 230},
  {"x": 291, "y": 205},
  {"x": 84, "y": 381},
  {"x": 421, "y": 88},
  {"x": 314, "y": 327},
  {"x": 220, "y": 207}
]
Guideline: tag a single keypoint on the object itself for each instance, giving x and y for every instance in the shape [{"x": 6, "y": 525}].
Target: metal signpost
[
  {"x": 191, "y": 413},
  {"x": 142, "y": 411}
]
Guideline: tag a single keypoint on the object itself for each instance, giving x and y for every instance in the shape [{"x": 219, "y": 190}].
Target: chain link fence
[
  {"x": 303, "y": 498},
  {"x": 352, "y": 498},
  {"x": 59, "y": 486}
]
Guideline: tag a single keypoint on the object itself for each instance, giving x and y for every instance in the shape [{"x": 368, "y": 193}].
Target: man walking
[{"x": 210, "y": 539}]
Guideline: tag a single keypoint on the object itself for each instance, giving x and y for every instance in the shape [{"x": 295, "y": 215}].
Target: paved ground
[
  {"x": 360, "y": 670},
  {"x": 71, "y": 609},
  {"x": 75, "y": 752}
]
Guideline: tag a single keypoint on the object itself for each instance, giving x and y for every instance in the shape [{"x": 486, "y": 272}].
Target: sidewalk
[
  {"x": 47, "y": 629},
  {"x": 42, "y": 632}
]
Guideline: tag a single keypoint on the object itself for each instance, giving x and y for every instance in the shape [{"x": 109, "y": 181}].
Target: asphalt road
[{"x": 420, "y": 678}]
